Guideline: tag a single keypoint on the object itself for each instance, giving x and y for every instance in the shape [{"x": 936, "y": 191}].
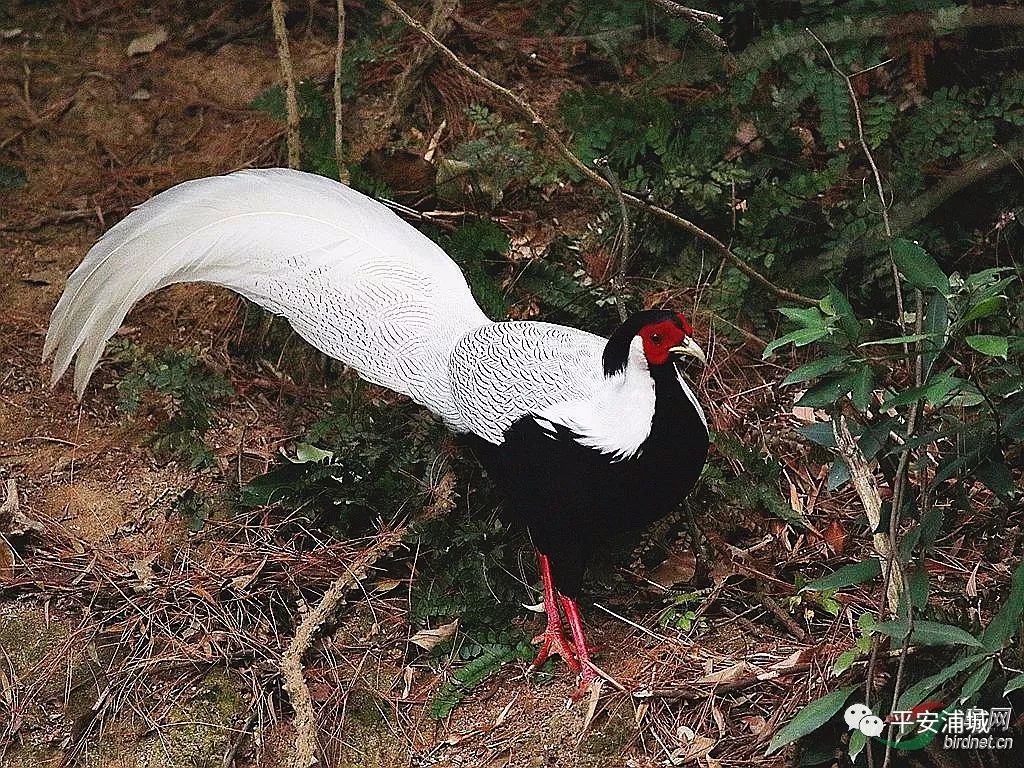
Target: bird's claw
[
  {"x": 553, "y": 640},
  {"x": 591, "y": 683}
]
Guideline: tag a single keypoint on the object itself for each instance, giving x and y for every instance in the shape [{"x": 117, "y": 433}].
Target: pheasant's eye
[{"x": 655, "y": 338}]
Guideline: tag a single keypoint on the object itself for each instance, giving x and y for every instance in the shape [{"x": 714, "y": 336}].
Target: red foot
[
  {"x": 553, "y": 640},
  {"x": 588, "y": 675}
]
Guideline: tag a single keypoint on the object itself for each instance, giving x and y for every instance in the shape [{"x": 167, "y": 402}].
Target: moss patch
[
  {"x": 196, "y": 734},
  {"x": 27, "y": 637}
]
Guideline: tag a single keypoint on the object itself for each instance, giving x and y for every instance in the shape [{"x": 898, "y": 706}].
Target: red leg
[
  {"x": 553, "y": 639},
  {"x": 579, "y": 639}
]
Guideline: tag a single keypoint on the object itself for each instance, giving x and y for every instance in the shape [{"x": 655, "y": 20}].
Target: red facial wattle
[{"x": 659, "y": 338}]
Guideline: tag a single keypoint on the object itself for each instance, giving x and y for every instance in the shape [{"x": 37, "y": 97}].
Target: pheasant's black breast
[{"x": 571, "y": 496}]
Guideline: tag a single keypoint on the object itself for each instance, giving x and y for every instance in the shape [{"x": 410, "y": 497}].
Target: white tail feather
[{"x": 351, "y": 277}]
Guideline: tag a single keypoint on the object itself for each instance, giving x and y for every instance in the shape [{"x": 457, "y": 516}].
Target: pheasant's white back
[{"x": 352, "y": 278}]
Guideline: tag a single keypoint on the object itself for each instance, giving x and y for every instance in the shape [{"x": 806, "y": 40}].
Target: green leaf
[
  {"x": 855, "y": 573},
  {"x": 838, "y": 476},
  {"x": 983, "y": 308},
  {"x": 996, "y": 476},
  {"x": 306, "y": 453},
  {"x": 976, "y": 679},
  {"x": 909, "y": 339},
  {"x": 829, "y": 390},
  {"x": 837, "y": 305},
  {"x": 923, "y": 689},
  {"x": 815, "y": 369},
  {"x": 928, "y": 633},
  {"x": 920, "y": 269},
  {"x": 820, "y": 433},
  {"x": 861, "y": 392},
  {"x": 1013, "y": 684},
  {"x": 935, "y": 391},
  {"x": 808, "y": 317},
  {"x": 810, "y": 718},
  {"x": 799, "y": 338},
  {"x": 993, "y": 346},
  {"x": 1005, "y": 623},
  {"x": 845, "y": 661},
  {"x": 918, "y": 588},
  {"x": 931, "y": 525},
  {"x": 858, "y": 740}
]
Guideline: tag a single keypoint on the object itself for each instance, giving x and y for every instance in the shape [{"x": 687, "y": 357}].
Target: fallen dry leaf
[
  {"x": 804, "y": 414},
  {"x": 428, "y": 639},
  {"x": 143, "y": 570},
  {"x": 692, "y": 748},
  {"x": 800, "y": 656},
  {"x": 835, "y": 536},
  {"x": 679, "y": 568},
  {"x": 595, "y": 697},
  {"x": 738, "y": 670},
  {"x": 14, "y": 522},
  {"x": 795, "y": 502},
  {"x": 148, "y": 42}
]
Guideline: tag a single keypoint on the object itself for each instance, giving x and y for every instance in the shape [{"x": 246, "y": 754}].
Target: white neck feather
[{"x": 616, "y": 418}]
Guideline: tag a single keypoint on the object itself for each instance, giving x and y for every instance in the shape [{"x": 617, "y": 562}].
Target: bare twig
[
  {"x": 909, "y": 213},
  {"x": 305, "y": 742},
  {"x": 699, "y": 21},
  {"x": 894, "y": 582},
  {"x": 288, "y": 75},
  {"x": 782, "y": 615},
  {"x": 523, "y": 108},
  {"x": 877, "y": 178},
  {"x": 441, "y": 18},
  {"x": 694, "y": 693},
  {"x": 339, "y": 52},
  {"x": 602, "y": 36},
  {"x": 866, "y": 485},
  {"x": 622, "y": 240}
]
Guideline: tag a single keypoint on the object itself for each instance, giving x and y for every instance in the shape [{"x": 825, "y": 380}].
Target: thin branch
[
  {"x": 339, "y": 52},
  {"x": 405, "y": 89},
  {"x": 601, "y": 36},
  {"x": 622, "y": 241},
  {"x": 877, "y": 177},
  {"x": 522, "y": 107},
  {"x": 699, "y": 21},
  {"x": 894, "y": 581},
  {"x": 288, "y": 75},
  {"x": 694, "y": 693},
  {"x": 908, "y": 214},
  {"x": 305, "y": 743}
]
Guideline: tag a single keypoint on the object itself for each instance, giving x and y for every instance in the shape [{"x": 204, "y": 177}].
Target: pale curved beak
[{"x": 690, "y": 348}]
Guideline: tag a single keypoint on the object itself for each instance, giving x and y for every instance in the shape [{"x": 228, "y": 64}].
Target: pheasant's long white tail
[{"x": 351, "y": 277}]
